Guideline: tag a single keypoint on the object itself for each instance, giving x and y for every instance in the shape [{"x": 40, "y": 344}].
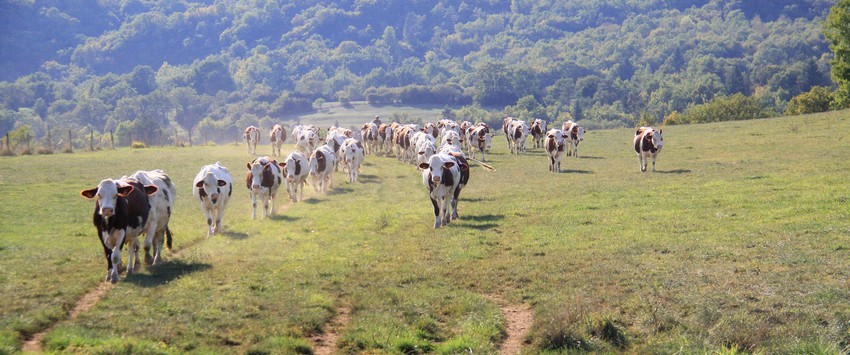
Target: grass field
[{"x": 740, "y": 242}]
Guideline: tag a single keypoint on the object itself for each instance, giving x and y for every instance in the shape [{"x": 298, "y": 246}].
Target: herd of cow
[{"x": 142, "y": 203}]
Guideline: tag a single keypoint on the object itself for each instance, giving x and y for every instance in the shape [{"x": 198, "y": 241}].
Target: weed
[{"x": 138, "y": 145}]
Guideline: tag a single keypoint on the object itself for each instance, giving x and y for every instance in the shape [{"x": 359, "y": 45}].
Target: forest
[{"x": 150, "y": 70}]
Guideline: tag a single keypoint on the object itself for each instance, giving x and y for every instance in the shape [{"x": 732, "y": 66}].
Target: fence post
[
  {"x": 70, "y": 142},
  {"x": 112, "y": 139},
  {"x": 189, "y": 133},
  {"x": 8, "y": 142},
  {"x": 91, "y": 140}
]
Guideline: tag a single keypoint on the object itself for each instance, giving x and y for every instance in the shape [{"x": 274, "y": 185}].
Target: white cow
[
  {"x": 555, "y": 145},
  {"x": 575, "y": 134},
  {"x": 424, "y": 151},
  {"x": 518, "y": 134},
  {"x": 213, "y": 187},
  {"x": 352, "y": 155},
  {"x": 334, "y": 141},
  {"x": 322, "y": 163},
  {"x": 161, "y": 203},
  {"x": 251, "y": 137},
  {"x": 263, "y": 181},
  {"x": 441, "y": 175},
  {"x": 277, "y": 137},
  {"x": 451, "y": 137},
  {"x": 307, "y": 141},
  {"x": 295, "y": 171}
]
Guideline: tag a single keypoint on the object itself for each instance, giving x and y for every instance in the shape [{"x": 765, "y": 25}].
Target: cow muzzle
[
  {"x": 214, "y": 198},
  {"x": 435, "y": 179},
  {"x": 106, "y": 212}
]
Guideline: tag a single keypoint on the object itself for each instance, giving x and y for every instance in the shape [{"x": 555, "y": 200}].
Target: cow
[
  {"x": 277, "y": 137},
  {"x": 322, "y": 163},
  {"x": 538, "y": 131},
  {"x": 424, "y": 151},
  {"x": 404, "y": 142},
  {"x": 263, "y": 180},
  {"x": 352, "y": 155},
  {"x": 251, "y": 137},
  {"x": 555, "y": 145},
  {"x": 370, "y": 138},
  {"x": 334, "y": 141},
  {"x": 385, "y": 138},
  {"x": 295, "y": 171},
  {"x": 303, "y": 127},
  {"x": 120, "y": 212},
  {"x": 431, "y": 128},
  {"x": 648, "y": 143},
  {"x": 443, "y": 175},
  {"x": 307, "y": 141},
  {"x": 460, "y": 159},
  {"x": 161, "y": 203},
  {"x": 575, "y": 134},
  {"x": 479, "y": 139},
  {"x": 518, "y": 134},
  {"x": 212, "y": 187},
  {"x": 452, "y": 138},
  {"x": 465, "y": 127},
  {"x": 506, "y": 128}
]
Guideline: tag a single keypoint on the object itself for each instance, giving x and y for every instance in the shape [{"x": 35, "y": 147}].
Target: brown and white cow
[
  {"x": 162, "y": 203},
  {"x": 212, "y": 187},
  {"x": 352, "y": 156},
  {"x": 648, "y": 143},
  {"x": 322, "y": 163},
  {"x": 307, "y": 141},
  {"x": 555, "y": 145},
  {"x": 369, "y": 132},
  {"x": 251, "y": 137},
  {"x": 120, "y": 212},
  {"x": 538, "y": 131},
  {"x": 479, "y": 139},
  {"x": 575, "y": 134},
  {"x": 506, "y": 128},
  {"x": 441, "y": 175},
  {"x": 518, "y": 134},
  {"x": 277, "y": 137},
  {"x": 263, "y": 180},
  {"x": 385, "y": 138},
  {"x": 334, "y": 142},
  {"x": 295, "y": 171}
]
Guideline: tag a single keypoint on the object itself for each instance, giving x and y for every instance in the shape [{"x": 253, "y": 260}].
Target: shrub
[
  {"x": 45, "y": 151},
  {"x": 138, "y": 145},
  {"x": 818, "y": 99}
]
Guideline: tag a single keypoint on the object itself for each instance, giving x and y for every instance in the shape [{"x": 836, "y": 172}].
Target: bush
[
  {"x": 138, "y": 145},
  {"x": 45, "y": 151},
  {"x": 818, "y": 99}
]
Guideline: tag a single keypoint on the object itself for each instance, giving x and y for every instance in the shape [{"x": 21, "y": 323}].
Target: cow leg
[
  {"x": 653, "y": 163},
  {"x": 107, "y": 252},
  {"x": 437, "y": 215},
  {"x": 150, "y": 234},
  {"x": 642, "y": 162},
  {"x": 117, "y": 242},
  {"x": 218, "y": 218},
  {"x": 454, "y": 204},
  {"x": 157, "y": 245},
  {"x": 254, "y": 204},
  {"x": 271, "y": 199}
]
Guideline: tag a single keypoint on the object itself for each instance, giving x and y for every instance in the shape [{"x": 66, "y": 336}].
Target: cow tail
[{"x": 168, "y": 237}]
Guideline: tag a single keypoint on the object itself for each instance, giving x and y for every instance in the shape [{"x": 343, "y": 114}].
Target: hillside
[
  {"x": 738, "y": 243},
  {"x": 144, "y": 68}
]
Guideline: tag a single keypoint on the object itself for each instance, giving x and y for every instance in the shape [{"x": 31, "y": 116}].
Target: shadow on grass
[
  {"x": 475, "y": 199},
  {"x": 484, "y": 218},
  {"x": 166, "y": 272},
  {"x": 312, "y": 201},
  {"x": 283, "y": 217},
  {"x": 589, "y": 157},
  {"x": 677, "y": 171},
  {"x": 568, "y": 171},
  {"x": 368, "y": 179},
  {"x": 235, "y": 235},
  {"x": 481, "y": 227},
  {"x": 340, "y": 190}
]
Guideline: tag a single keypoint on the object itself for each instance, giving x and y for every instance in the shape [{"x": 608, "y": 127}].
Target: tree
[
  {"x": 819, "y": 99},
  {"x": 837, "y": 30}
]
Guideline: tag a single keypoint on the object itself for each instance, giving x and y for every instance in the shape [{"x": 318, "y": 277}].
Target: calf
[
  {"x": 120, "y": 213},
  {"x": 352, "y": 154},
  {"x": 648, "y": 143},
  {"x": 575, "y": 134},
  {"x": 322, "y": 163},
  {"x": 213, "y": 187},
  {"x": 252, "y": 137},
  {"x": 263, "y": 180},
  {"x": 277, "y": 137},
  {"x": 161, "y": 203},
  {"x": 295, "y": 171},
  {"x": 555, "y": 145}
]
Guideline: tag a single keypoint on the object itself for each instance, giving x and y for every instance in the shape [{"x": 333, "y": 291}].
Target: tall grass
[{"x": 740, "y": 240}]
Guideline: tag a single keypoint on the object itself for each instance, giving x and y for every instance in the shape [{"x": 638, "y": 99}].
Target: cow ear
[
  {"x": 249, "y": 166},
  {"x": 126, "y": 190},
  {"x": 220, "y": 183},
  {"x": 200, "y": 184},
  {"x": 464, "y": 167},
  {"x": 448, "y": 164},
  {"x": 89, "y": 194},
  {"x": 151, "y": 189},
  {"x": 282, "y": 165},
  {"x": 424, "y": 166},
  {"x": 661, "y": 131}
]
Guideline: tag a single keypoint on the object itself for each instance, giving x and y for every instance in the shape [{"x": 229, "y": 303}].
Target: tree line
[{"x": 159, "y": 71}]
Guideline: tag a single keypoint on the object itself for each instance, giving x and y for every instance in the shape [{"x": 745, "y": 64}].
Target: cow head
[
  {"x": 210, "y": 186},
  {"x": 484, "y": 138},
  {"x": 657, "y": 139},
  {"x": 256, "y": 169},
  {"x": 106, "y": 194},
  {"x": 436, "y": 165},
  {"x": 292, "y": 166}
]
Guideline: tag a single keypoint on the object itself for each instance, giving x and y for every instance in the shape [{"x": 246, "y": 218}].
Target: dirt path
[
  {"x": 325, "y": 343},
  {"x": 518, "y": 319},
  {"x": 84, "y": 304}
]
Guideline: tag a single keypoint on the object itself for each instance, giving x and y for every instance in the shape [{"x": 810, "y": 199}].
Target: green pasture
[{"x": 740, "y": 242}]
